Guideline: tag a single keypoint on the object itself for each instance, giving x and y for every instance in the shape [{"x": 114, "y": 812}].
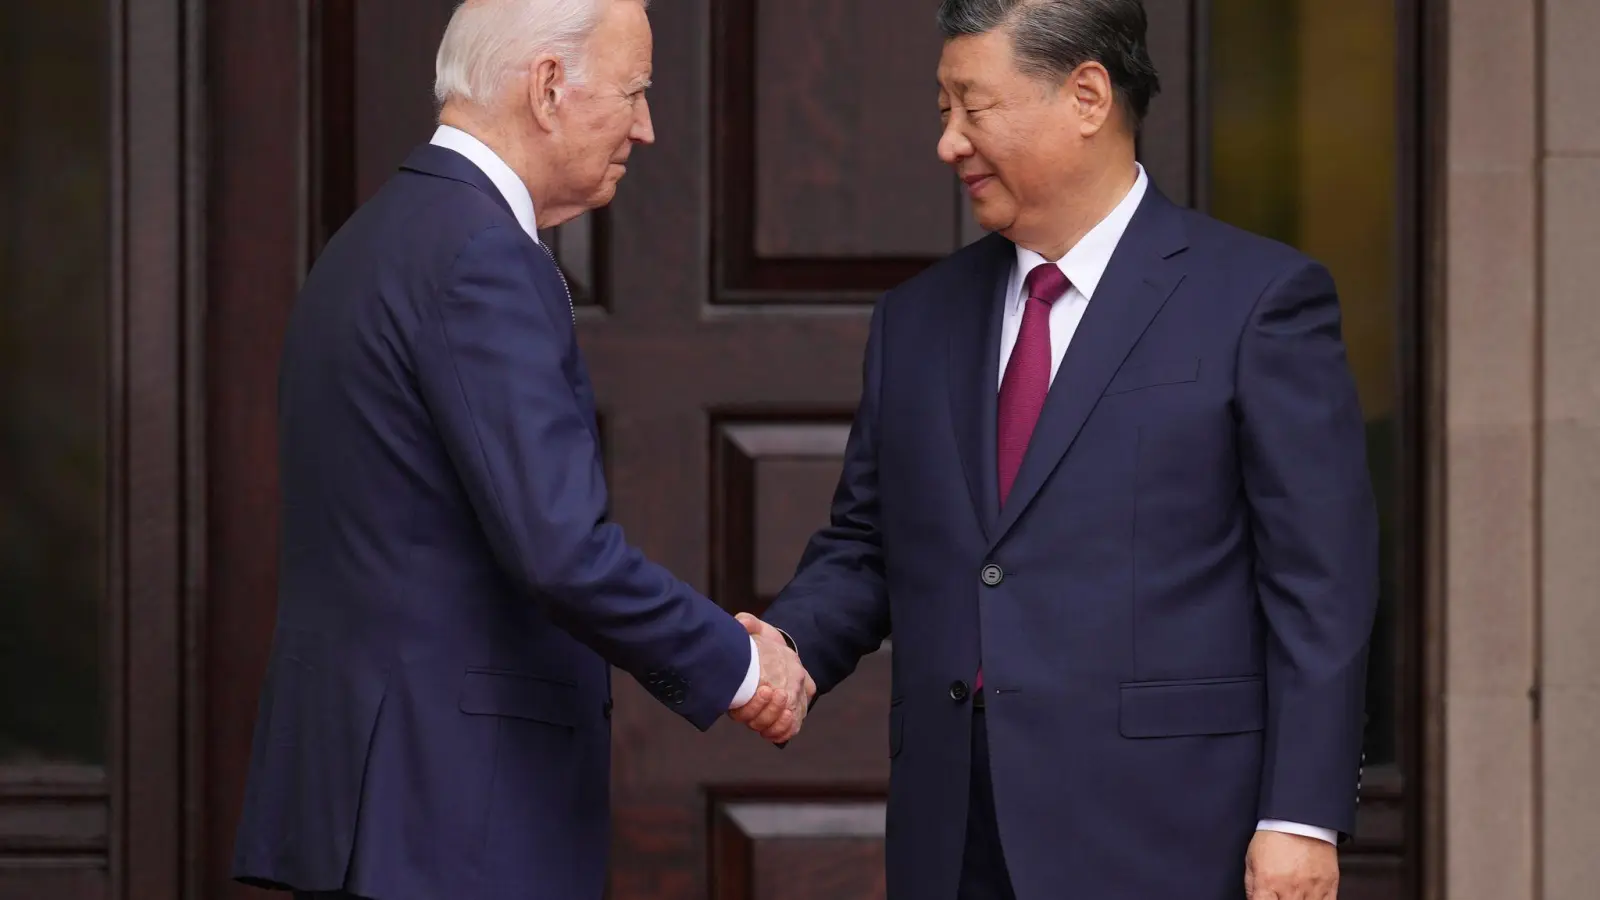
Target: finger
[
  {"x": 772, "y": 713},
  {"x": 747, "y": 713},
  {"x": 751, "y": 624},
  {"x": 766, "y": 699},
  {"x": 778, "y": 730},
  {"x": 768, "y": 716}
]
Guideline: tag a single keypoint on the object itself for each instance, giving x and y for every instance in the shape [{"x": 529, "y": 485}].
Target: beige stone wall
[
  {"x": 1520, "y": 592},
  {"x": 1570, "y": 451}
]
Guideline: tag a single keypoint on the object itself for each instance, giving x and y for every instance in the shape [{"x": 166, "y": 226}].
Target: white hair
[{"x": 488, "y": 41}]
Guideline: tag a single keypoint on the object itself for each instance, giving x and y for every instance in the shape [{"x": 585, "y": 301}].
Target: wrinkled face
[
  {"x": 1014, "y": 139},
  {"x": 603, "y": 118}
]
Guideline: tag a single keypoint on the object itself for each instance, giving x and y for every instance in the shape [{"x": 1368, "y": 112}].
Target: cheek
[
  {"x": 1004, "y": 154},
  {"x": 608, "y": 132},
  {"x": 1027, "y": 167}
]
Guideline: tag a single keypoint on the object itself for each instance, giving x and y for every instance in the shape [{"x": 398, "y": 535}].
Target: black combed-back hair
[{"x": 1051, "y": 38}]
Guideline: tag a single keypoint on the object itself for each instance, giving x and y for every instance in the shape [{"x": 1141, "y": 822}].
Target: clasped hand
[{"x": 779, "y": 706}]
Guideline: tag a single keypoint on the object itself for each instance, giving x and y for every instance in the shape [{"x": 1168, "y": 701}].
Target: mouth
[{"x": 976, "y": 183}]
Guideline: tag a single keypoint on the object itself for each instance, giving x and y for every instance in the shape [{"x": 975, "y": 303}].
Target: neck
[
  {"x": 1087, "y": 205},
  {"x": 499, "y": 133}
]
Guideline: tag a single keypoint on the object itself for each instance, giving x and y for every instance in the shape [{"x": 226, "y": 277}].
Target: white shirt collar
[
  {"x": 509, "y": 185},
  {"x": 1086, "y": 262}
]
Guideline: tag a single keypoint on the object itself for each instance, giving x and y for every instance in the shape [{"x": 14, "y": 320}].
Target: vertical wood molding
[
  {"x": 1168, "y": 145},
  {"x": 196, "y": 840},
  {"x": 264, "y": 178},
  {"x": 153, "y": 593},
  {"x": 329, "y": 125},
  {"x": 1424, "y": 646}
]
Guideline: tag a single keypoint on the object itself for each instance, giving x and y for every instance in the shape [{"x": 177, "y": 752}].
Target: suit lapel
[
  {"x": 973, "y": 371},
  {"x": 1137, "y": 282}
]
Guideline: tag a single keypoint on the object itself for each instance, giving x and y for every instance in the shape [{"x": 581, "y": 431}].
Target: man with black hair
[{"x": 1108, "y": 482}]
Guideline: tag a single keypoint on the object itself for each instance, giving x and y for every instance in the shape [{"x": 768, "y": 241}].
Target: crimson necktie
[{"x": 1027, "y": 379}]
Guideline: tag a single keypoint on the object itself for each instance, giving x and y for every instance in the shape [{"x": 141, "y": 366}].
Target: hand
[
  {"x": 779, "y": 706},
  {"x": 1282, "y": 866}
]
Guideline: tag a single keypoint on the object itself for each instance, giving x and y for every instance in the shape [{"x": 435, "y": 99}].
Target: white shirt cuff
[
  {"x": 752, "y": 678},
  {"x": 1310, "y": 831}
]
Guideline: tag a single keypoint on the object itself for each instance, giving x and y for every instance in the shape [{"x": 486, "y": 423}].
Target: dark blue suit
[
  {"x": 1172, "y": 610},
  {"x": 435, "y": 718}
]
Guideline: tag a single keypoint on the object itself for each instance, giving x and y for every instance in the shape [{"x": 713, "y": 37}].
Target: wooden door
[{"x": 723, "y": 305}]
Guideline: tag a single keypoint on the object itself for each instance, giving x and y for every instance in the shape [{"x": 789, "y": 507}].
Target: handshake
[{"x": 779, "y": 706}]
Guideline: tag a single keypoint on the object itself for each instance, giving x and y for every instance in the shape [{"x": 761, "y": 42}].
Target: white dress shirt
[
  {"x": 516, "y": 194},
  {"x": 1084, "y": 265},
  {"x": 508, "y": 182}
]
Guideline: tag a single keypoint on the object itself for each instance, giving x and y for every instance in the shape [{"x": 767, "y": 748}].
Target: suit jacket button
[
  {"x": 993, "y": 575},
  {"x": 958, "y": 691}
]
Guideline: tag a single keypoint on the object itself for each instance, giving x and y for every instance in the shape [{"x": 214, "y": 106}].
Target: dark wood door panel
[
  {"x": 727, "y": 402},
  {"x": 55, "y": 882},
  {"x": 827, "y": 186},
  {"x": 673, "y": 789},
  {"x": 793, "y": 848},
  {"x": 771, "y": 485},
  {"x": 843, "y": 130}
]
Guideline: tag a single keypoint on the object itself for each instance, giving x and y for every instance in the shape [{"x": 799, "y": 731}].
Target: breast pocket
[{"x": 1139, "y": 376}]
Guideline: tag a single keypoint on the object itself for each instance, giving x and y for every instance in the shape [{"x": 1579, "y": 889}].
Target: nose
[
  {"x": 953, "y": 145},
  {"x": 644, "y": 131}
]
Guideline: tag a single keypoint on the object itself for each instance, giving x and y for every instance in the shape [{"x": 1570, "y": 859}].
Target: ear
[
  {"x": 547, "y": 88},
  {"x": 1093, "y": 96}
]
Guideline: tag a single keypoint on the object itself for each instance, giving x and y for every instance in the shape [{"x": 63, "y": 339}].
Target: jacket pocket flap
[
  {"x": 519, "y": 697},
  {"x": 1201, "y": 706},
  {"x": 1134, "y": 377}
]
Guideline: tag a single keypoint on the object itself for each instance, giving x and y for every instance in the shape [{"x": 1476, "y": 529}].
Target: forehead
[
  {"x": 976, "y": 60},
  {"x": 622, "y": 42}
]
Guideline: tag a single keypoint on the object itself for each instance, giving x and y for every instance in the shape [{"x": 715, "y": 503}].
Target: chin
[
  {"x": 990, "y": 218},
  {"x": 603, "y": 195}
]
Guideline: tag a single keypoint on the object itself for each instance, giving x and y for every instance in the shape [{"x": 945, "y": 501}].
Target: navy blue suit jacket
[
  {"x": 1172, "y": 610},
  {"x": 435, "y": 717}
]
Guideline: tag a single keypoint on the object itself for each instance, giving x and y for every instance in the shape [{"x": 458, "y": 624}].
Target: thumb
[{"x": 751, "y": 624}]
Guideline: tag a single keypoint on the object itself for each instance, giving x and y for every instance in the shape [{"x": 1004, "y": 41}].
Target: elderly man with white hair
[{"x": 434, "y": 721}]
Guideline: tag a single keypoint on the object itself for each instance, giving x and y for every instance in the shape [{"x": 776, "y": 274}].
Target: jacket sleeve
[
  {"x": 492, "y": 361},
  {"x": 1315, "y": 532},
  {"x": 836, "y": 609}
]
